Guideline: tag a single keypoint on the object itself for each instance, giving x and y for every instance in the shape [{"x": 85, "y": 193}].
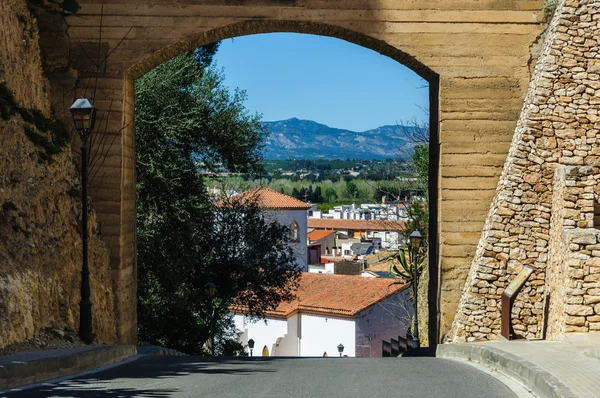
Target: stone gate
[{"x": 475, "y": 54}]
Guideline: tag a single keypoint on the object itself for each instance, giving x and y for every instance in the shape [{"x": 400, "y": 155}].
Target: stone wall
[
  {"x": 40, "y": 244},
  {"x": 559, "y": 126},
  {"x": 574, "y": 269}
]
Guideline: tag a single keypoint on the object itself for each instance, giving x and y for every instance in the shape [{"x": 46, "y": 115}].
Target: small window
[{"x": 295, "y": 231}]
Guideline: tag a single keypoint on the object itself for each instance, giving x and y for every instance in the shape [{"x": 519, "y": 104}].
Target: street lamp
[
  {"x": 415, "y": 243},
  {"x": 83, "y": 114},
  {"x": 340, "y": 349},
  {"x": 251, "y": 345},
  {"x": 211, "y": 289}
]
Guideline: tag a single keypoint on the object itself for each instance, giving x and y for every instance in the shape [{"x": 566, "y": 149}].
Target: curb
[
  {"x": 18, "y": 373},
  {"x": 542, "y": 383},
  {"x": 157, "y": 350}
]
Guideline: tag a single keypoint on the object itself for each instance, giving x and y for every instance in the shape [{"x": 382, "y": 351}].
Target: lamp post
[
  {"x": 83, "y": 115},
  {"x": 251, "y": 345},
  {"x": 210, "y": 290},
  {"x": 340, "y": 348},
  {"x": 415, "y": 243}
]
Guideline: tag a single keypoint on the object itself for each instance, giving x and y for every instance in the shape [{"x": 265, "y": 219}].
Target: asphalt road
[{"x": 179, "y": 376}]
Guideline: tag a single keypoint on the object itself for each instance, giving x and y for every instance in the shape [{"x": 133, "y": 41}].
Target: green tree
[
  {"x": 187, "y": 123},
  {"x": 317, "y": 195},
  {"x": 420, "y": 160},
  {"x": 351, "y": 190},
  {"x": 330, "y": 195}
]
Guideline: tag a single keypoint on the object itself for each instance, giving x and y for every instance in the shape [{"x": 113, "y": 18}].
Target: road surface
[{"x": 181, "y": 376}]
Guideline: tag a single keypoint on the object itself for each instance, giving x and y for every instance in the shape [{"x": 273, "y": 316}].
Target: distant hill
[{"x": 305, "y": 139}]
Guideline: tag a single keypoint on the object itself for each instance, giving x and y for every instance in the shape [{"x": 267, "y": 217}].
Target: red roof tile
[
  {"x": 336, "y": 295},
  {"x": 270, "y": 199},
  {"x": 362, "y": 225},
  {"x": 319, "y": 234}
]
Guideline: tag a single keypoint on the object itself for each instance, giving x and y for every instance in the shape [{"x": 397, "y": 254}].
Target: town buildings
[
  {"x": 388, "y": 211},
  {"x": 334, "y": 304},
  {"x": 382, "y": 234}
]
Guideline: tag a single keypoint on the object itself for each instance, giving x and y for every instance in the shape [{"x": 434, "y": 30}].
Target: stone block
[
  {"x": 576, "y": 329},
  {"x": 575, "y": 320},
  {"x": 592, "y": 278},
  {"x": 595, "y": 326},
  {"x": 594, "y": 262},
  {"x": 583, "y": 238},
  {"x": 579, "y": 310},
  {"x": 587, "y": 300}
]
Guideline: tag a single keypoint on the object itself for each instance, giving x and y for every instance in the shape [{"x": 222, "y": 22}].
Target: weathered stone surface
[
  {"x": 40, "y": 244},
  {"x": 551, "y": 183}
]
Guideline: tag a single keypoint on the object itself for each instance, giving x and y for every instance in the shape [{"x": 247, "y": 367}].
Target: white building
[
  {"x": 393, "y": 211},
  {"x": 286, "y": 210},
  {"x": 330, "y": 310},
  {"x": 388, "y": 235}
]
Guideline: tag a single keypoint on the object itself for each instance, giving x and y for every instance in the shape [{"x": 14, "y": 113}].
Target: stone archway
[{"x": 477, "y": 55}]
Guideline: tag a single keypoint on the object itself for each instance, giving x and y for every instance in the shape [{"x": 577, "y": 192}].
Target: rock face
[
  {"x": 543, "y": 212},
  {"x": 40, "y": 243}
]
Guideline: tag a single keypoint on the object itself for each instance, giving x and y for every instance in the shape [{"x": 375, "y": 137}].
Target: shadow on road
[{"x": 144, "y": 375}]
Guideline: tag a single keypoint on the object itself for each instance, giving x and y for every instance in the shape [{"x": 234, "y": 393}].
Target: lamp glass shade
[
  {"x": 340, "y": 348},
  {"x": 251, "y": 344},
  {"x": 210, "y": 289},
  {"x": 83, "y": 114},
  {"x": 415, "y": 239}
]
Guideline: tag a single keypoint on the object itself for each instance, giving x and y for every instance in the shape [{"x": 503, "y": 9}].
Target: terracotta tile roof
[
  {"x": 363, "y": 225},
  {"x": 319, "y": 234},
  {"x": 336, "y": 295},
  {"x": 271, "y": 199}
]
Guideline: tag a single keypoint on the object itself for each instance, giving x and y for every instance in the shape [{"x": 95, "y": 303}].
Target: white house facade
[{"x": 330, "y": 310}]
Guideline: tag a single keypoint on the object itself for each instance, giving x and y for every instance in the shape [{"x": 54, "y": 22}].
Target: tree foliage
[{"x": 187, "y": 122}]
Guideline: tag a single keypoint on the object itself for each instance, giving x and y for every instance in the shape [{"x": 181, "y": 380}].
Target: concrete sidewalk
[
  {"x": 550, "y": 369},
  {"x": 37, "y": 366}
]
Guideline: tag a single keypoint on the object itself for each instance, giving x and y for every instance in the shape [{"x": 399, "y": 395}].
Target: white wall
[
  {"x": 289, "y": 346},
  {"x": 286, "y": 217},
  {"x": 327, "y": 268},
  {"x": 262, "y": 332},
  {"x": 321, "y": 334}
]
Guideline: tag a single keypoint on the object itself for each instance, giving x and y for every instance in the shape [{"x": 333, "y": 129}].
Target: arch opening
[{"x": 253, "y": 27}]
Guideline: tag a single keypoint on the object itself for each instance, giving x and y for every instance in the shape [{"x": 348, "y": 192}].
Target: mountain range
[{"x": 305, "y": 139}]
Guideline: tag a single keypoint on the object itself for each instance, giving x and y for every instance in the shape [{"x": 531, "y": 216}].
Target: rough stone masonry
[{"x": 543, "y": 211}]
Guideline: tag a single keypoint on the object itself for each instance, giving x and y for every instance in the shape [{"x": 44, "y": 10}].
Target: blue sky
[{"x": 323, "y": 79}]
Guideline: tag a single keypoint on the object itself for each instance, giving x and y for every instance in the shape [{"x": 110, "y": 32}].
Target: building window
[{"x": 295, "y": 230}]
